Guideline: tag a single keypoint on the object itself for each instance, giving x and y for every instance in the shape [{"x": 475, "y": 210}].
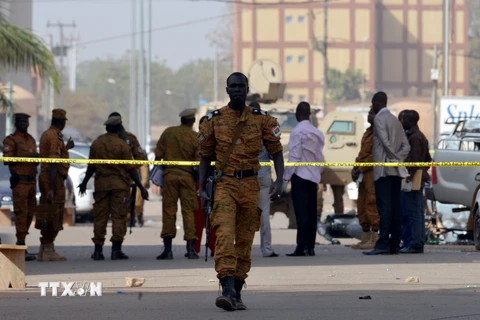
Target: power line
[
  {"x": 278, "y": 3},
  {"x": 172, "y": 26}
]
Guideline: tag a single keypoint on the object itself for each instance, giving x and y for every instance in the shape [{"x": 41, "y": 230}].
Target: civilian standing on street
[
  {"x": 389, "y": 145},
  {"x": 413, "y": 234},
  {"x": 305, "y": 145},
  {"x": 265, "y": 178}
]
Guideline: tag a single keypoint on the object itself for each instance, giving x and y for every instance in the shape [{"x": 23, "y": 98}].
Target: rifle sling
[{"x": 226, "y": 157}]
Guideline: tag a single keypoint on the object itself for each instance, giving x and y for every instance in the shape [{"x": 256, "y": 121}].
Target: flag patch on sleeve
[
  {"x": 276, "y": 131},
  {"x": 201, "y": 138}
]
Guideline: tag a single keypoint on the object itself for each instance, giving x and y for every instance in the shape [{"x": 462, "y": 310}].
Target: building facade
[{"x": 390, "y": 41}]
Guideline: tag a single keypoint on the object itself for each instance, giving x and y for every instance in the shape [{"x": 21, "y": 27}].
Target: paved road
[{"x": 327, "y": 286}]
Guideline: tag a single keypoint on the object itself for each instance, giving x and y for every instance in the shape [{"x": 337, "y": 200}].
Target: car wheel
[{"x": 476, "y": 228}]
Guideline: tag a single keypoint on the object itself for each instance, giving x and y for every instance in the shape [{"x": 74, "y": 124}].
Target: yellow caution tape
[{"x": 288, "y": 164}]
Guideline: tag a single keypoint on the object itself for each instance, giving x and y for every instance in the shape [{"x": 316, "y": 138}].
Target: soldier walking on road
[
  {"x": 23, "y": 177},
  {"x": 179, "y": 144},
  {"x": 233, "y": 136},
  {"x": 52, "y": 180},
  {"x": 112, "y": 183}
]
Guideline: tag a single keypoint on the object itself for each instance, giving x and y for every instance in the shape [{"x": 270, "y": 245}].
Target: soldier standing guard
[
  {"x": 23, "y": 177},
  {"x": 179, "y": 143},
  {"x": 52, "y": 180},
  {"x": 112, "y": 183},
  {"x": 137, "y": 151},
  {"x": 236, "y": 216}
]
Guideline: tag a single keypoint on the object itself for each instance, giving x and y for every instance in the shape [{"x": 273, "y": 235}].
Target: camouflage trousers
[
  {"x": 235, "y": 218},
  {"x": 58, "y": 199},
  {"x": 178, "y": 184},
  {"x": 366, "y": 203},
  {"x": 114, "y": 202},
  {"x": 24, "y": 204}
]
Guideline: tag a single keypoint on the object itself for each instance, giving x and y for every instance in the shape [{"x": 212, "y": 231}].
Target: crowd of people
[{"x": 237, "y": 137}]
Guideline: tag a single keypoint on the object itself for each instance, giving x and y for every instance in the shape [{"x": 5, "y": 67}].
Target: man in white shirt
[{"x": 305, "y": 145}]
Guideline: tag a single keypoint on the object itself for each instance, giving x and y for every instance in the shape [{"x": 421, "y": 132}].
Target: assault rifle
[
  {"x": 207, "y": 209},
  {"x": 133, "y": 196}
]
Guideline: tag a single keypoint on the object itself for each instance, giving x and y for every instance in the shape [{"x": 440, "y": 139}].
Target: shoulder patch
[
  {"x": 276, "y": 131},
  {"x": 257, "y": 111},
  {"x": 213, "y": 114}
]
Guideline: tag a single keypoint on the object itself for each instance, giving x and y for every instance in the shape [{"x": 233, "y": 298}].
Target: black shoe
[
  {"x": 28, "y": 256},
  {"x": 191, "y": 254},
  {"x": 412, "y": 250},
  {"x": 238, "y": 297},
  {"x": 117, "y": 253},
  {"x": 310, "y": 252},
  {"x": 297, "y": 253},
  {"x": 227, "y": 300},
  {"x": 376, "y": 252},
  {"x": 98, "y": 253},
  {"x": 167, "y": 251},
  {"x": 271, "y": 255}
]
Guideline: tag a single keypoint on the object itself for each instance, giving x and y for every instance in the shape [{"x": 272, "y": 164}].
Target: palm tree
[{"x": 21, "y": 49}]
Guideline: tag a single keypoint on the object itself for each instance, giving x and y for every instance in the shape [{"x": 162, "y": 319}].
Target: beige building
[{"x": 391, "y": 41}]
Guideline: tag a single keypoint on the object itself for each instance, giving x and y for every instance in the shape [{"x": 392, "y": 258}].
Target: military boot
[
  {"x": 47, "y": 253},
  {"x": 227, "y": 300},
  {"x": 238, "y": 297},
  {"x": 370, "y": 244},
  {"x": 365, "y": 238},
  {"x": 167, "y": 251},
  {"x": 191, "y": 254},
  {"x": 117, "y": 253},
  {"x": 98, "y": 253},
  {"x": 28, "y": 256}
]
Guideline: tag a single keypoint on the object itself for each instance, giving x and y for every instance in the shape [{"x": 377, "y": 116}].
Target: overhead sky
[{"x": 101, "y": 19}]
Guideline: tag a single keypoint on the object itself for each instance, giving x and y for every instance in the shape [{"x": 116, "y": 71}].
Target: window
[
  {"x": 289, "y": 19},
  {"x": 289, "y": 97},
  {"x": 345, "y": 127},
  {"x": 289, "y": 59},
  {"x": 301, "y": 98},
  {"x": 301, "y": 59},
  {"x": 301, "y": 19}
]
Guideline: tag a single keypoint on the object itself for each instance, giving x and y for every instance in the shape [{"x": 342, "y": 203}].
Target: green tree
[
  {"x": 343, "y": 86},
  {"x": 21, "y": 49}
]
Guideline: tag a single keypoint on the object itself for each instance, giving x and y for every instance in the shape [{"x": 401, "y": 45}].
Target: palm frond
[
  {"x": 4, "y": 101},
  {"x": 19, "y": 48}
]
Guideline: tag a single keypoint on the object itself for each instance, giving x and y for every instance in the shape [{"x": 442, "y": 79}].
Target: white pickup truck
[{"x": 460, "y": 185}]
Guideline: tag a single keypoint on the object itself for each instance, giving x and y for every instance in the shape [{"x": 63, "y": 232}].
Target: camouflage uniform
[
  {"x": 178, "y": 143},
  {"x": 20, "y": 144},
  {"x": 366, "y": 203},
  {"x": 236, "y": 215},
  {"x": 112, "y": 183},
  {"x": 52, "y": 145}
]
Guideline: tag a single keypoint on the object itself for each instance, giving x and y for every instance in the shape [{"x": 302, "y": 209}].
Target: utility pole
[
  {"x": 325, "y": 59},
  {"x": 61, "y": 51},
  {"x": 215, "y": 76},
  {"x": 72, "y": 63},
  {"x": 133, "y": 72},
  {"x": 434, "y": 78},
  {"x": 149, "y": 79},
  {"x": 141, "y": 79},
  {"x": 446, "y": 56}
]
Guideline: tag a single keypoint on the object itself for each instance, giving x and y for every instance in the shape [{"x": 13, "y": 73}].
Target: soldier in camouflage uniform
[
  {"x": 236, "y": 216},
  {"x": 112, "y": 183},
  {"x": 137, "y": 151},
  {"x": 23, "y": 177},
  {"x": 179, "y": 143},
  {"x": 52, "y": 180}
]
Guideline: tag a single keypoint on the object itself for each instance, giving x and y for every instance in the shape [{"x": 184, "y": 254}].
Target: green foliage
[{"x": 344, "y": 86}]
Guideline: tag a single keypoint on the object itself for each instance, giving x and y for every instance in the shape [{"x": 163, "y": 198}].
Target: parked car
[{"x": 76, "y": 174}]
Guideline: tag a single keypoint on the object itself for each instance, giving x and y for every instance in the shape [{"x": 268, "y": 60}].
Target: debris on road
[
  {"x": 365, "y": 298},
  {"x": 412, "y": 280},
  {"x": 135, "y": 282},
  {"x": 121, "y": 292}
]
